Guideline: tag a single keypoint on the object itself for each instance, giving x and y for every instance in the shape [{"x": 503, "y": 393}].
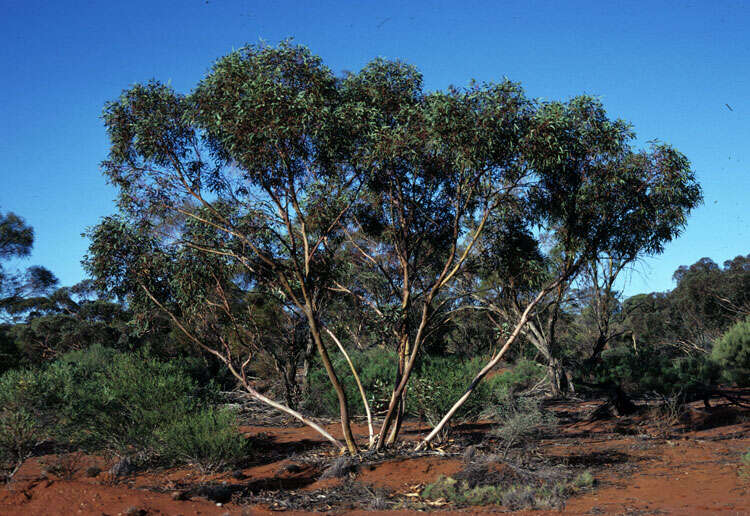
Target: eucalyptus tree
[
  {"x": 17, "y": 241},
  {"x": 602, "y": 313},
  {"x": 47, "y": 326},
  {"x": 592, "y": 193},
  {"x": 258, "y": 152},
  {"x": 438, "y": 164}
]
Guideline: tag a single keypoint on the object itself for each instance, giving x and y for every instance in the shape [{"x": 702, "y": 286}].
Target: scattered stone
[
  {"x": 470, "y": 453},
  {"x": 339, "y": 468},
  {"x": 180, "y": 495},
  {"x": 291, "y": 468},
  {"x": 122, "y": 468}
]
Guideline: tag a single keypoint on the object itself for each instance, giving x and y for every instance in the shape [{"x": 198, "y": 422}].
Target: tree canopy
[{"x": 276, "y": 179}]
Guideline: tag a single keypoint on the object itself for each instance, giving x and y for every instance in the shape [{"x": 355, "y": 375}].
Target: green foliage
[
  {"x": 732, "y": 351},
  {"x": 706, "y": 302},
  {"x": 514, "y": 496},
  {"x": 658, "y": 370},
  {"x": 519, "y": 418},
  {"x": 440, "y": 381},
  {"x": 209, "y": 438},
  {"x": 128, "y": 403},
  {"x": 745, "y": 464},
  {"x": 523, "y": 375},
  {"x": 121, "y": 403},
  {"x": 584, "y": 480},
  {"x": 16, "y": 238},
  {"x": 19, "y": 434},
  {"x": 436, "y": 384},
  {"x": 375, "y": 368}
]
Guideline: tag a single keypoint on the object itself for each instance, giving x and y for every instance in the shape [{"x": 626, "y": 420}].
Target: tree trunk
[
  {"x": 488, "y": 367},
  {"x": 351, "y": 444},
  {"x": 601, "y": 342},
  {"x": 307, "y": 362},
  {"x": 362, "y": 393},
  {"x": 558, "y": 378},
  {"x": 397, "y": 405}
]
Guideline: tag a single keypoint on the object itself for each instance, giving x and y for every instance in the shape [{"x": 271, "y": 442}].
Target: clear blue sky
[{"x": 671, "y": 68}]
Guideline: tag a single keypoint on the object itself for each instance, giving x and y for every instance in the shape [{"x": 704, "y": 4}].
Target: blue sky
[{"x": 679, "y": 71}]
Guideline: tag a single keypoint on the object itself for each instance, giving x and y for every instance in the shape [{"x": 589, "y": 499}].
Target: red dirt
[
  {"x": 403, "y": 475},
  {"x": 696, "y": 471}
]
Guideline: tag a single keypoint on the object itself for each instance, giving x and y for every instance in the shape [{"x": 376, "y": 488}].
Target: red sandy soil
[{"x": 638, "y": 471}]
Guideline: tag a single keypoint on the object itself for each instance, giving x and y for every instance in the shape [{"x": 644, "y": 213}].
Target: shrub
[
  {"x": 584, "y": 480},
  {"x": 523, "y": 375},
  {"x": 209, "y": 438},
  {"x": 129, "y": 403},
  {"x": 440, "y": 381},
  {"x": 375, "y": 368},
  {"x": 732, "y": 352},
  {"x": 436, "y": 383},
  {"x": 19, "y": 434},
  {"x": 513, "y": 496},
  {"x": 655, "y": 370},
  {"x": 10, "y": 356},
  {"x": 519, "y": 417},
  {"x": 120, "y": 400},
  {"x": 745, "y": 464}
]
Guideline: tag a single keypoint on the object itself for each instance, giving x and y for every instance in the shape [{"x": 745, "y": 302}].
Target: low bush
[
  {"x": 657, "y": 370},
  {"x": 584, "y": 480},
  {"x": 440, "y": 381},
  {"x": 209, "y": 438},
  {"x": 522, "y": 376},
  {"x": 520, "y": 418},
  {"x": 127, "y": 403},
  {"x": 436, "y": 383},
  {"x": 19, "y": 434},
  {"x": 732, "y": 352},
  {"x": 534, "y": 495},
  {"x": 375, "y": 368},
  {"x": 745, "y": 464}
]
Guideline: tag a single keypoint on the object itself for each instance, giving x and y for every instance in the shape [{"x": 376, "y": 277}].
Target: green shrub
[
  {"x": 10, "y": 355},
  {"x": 101, "y": 398},
  {"x": 745, "y": 464},
  {"x": 19, "y": 434},
  {"x": 440, "y": 381},
  {"x": 584, "y": 480},
  {"x": 519, "y": 418},
  {"x": 209, "y": 438},
  {"x": 514, "y": 496},
  {"x": 523, "y": 375},
  {"x": 375, "y": 368},
  {"x": 436, "y": 384},
  {"x": 732, "y": 352},
  {"x": 119, "y": 400},
  {"x": 650, "y": 369}
]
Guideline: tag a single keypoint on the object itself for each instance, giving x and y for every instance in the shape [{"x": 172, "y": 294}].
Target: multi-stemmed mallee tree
[
  {"x": 590, "y": 192},
  {"x": 438, "y": 165},
  {"x": 285, "y": 166},
  {"x": 274, "y": 179},
  {"x": 258, "y": 154}
]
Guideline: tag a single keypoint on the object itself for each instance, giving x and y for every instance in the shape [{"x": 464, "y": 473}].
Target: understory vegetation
[{"x": 126, "y": 404}]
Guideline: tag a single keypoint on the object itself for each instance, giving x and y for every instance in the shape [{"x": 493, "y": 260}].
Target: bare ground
[{"x": 650, "y": 463}]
